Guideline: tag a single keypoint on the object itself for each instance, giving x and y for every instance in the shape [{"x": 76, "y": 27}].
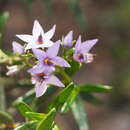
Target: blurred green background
[{"x": 107, "y": 20}]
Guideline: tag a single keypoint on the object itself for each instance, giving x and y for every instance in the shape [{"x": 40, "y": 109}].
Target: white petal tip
[
  {"x": 36, "y": 21},
  {"x": 38, "y": 96}
]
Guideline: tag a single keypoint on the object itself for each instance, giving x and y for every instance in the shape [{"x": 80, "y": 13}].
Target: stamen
[
  {"x": 80, "y": 56},
  {"x": 41, "y": 75},
  {"x": 47, "y": 61},
  {"x": 40, "y": 40}
]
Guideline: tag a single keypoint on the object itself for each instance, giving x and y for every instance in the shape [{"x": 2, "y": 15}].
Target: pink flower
[
  {"x": 81, "y": 53},
  {"x": 49, "y": 59},
  {"x": 42, "y": 79}
]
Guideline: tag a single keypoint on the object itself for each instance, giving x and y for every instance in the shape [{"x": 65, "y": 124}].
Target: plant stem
[{"x": 64, "y": 74}]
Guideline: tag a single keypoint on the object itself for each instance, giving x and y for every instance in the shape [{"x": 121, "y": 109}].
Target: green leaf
[
  {"x": 75, "y": 66},
  {"x": 62, "y": 97},
  {"x": 47, "y": 122},
  {"x": 91, "y": 98},
  {"x": 28, "y": 126},
  {"x": 35, "y": 116},
  {"x": 5, "y": 118},
  {"x": 89, "y": 88},
  {"x": 80, "y": 114},
  {"x": 69, "y": 101},
  {"x": 23, "y": 108},
  {"x": 38, "y": 102},
  {"x": 69, "y": 53},
  {"x": 55, "y": 127}
]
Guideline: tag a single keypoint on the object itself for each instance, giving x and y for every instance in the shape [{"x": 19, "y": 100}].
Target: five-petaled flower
[
  {"x": 42, "y": 78},
  {"x": 38, "y": 39},
  {"x": 81, "y": 53},
  {"x": 49, "y": 59}
]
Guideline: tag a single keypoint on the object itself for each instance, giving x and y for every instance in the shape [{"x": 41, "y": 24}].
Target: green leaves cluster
[
  {"x": 67, "y": 99},
  {"x": 36, "y": 121}
]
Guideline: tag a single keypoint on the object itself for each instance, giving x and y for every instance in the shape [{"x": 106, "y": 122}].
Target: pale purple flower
[
  {"x": 17, "y": 48},
  {"x": 42, "y": 79},
  {"x": 68, "y": 39},
  {"x": 38, "y": 39},
  {"x": 81, "y": 53},
  {"x": 49, "y": 59}
]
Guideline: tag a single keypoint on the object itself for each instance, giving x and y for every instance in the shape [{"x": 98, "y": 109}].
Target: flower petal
[
  {"x": 37, "y": 30},
  {"x": 53, "y": 80},
  {"x": 25, "y": 38},
  {"x": 88, "y": 58},
  {"x": 30, "y": 46},
  {"x": 60, "y": 61},
  {"x": 68, "y": 39},
  {"x": 40, "y": 88},
  {"x": 47, "y": 43},
  {"x": 17, "y": 48},
  {"x": 39, "y": 54},
  {"x": 87, "y": 45},
  {"x": 12, "y": 70},
  {"x": 48, "y": 69},
  {"x": 53, "y": 50},
  {"x": 78, "y": 44},
  {"x": 36, "y": 69},
  {"x": 50, "y": 33}
]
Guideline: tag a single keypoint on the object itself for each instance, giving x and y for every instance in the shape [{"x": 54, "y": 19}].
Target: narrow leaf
[
  {"x": 80, "y": 114},
  {"x": 35, "y": 116},
  {"x": 62, "y": 97},
  {"x": 94, "y": 88},
  {"x": 47, "y": 122},
  {"x": 91, "y": 98},
  {"x": 23, "y": 108},
  {"x": 28, "y": 126},
  {"x": 69, "y": 101},
  {"x": 5, "y": 118},
  {"x": 55, "y": 127}
]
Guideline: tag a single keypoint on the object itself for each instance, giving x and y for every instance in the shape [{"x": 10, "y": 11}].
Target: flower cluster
[{"x": 46, "y": 52}]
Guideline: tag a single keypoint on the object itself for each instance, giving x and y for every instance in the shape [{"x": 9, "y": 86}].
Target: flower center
[
  {"x": 41, "y": 75},
  {"x": 80, "y": 56},
  {"x": 40, "y": 39},
  {"x": 48, "y": 61}
]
